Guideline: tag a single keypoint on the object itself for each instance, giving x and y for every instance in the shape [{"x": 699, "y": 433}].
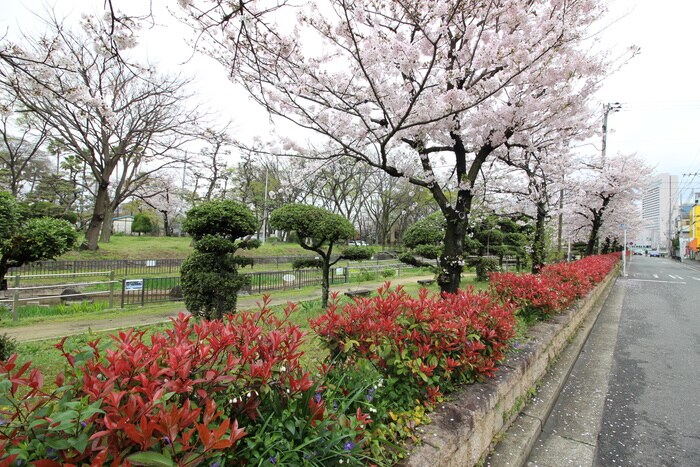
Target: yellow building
[{"x": 694, "y": 224}]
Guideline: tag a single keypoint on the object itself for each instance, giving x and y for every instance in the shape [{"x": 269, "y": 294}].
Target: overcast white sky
[{"x": 659, "y": 90}]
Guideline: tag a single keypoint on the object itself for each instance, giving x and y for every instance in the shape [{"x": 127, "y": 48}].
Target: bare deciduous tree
[{"x": 122, "y": 119}]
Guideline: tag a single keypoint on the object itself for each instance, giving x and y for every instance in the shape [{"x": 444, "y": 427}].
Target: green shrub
[
  {"x": 302, "y": 263},
  {"x": 209, "y": 277},
  {"x": 8, "y": 345},
  {"x": 388, "y": 273},
  {"x": 365, "y": 275},
  {"x": 484, "y": 266}
]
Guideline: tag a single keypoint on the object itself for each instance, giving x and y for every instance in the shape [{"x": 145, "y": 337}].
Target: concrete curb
[{"x": 464, "y": 430}]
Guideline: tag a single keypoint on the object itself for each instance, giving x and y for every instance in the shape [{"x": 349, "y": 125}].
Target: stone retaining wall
[{"x": 463, "y": 429}]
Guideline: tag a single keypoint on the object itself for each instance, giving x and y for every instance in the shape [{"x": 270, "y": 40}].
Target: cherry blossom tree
[
  {"x": 417, "y": 89},
  {"x": 162, "y": 194},
  {"x": 607, "y": 193},
  {"x": 543, "y": 156},
  {"x": 122, "y": 119}
]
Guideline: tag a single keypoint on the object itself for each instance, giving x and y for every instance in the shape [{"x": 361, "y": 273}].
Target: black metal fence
[
  {"x": 121, "y": 267},
  {"x": 127, "y": 267},
  {"x": 165, "y": 289}
]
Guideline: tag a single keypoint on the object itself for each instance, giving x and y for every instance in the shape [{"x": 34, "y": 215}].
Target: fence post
[
  {"x": 126, "y": 267},
  {"x": 143, "y": 292},
  {"x": 111, "y": 289},
  {"x": 15, "y": 300},
  {"x": 123, "y": 281},
  {"x": 347, "y": 274}
]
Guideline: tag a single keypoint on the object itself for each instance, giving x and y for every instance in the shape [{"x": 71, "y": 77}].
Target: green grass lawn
[{"x": 147, "y": 247}]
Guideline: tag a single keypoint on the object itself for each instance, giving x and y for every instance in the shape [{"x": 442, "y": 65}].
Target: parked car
[{"x": 655, "y": 254}]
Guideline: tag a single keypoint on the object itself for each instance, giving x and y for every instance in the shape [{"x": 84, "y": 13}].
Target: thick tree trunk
[
  {"x": 166, "y": 224},
  {"x": 452, "y": 259},
  {"x": 106, "y": 233},
  {"x": 593, "y": 237},
  {"x": 538, "y": 245},
  {"x": 92, "y": 234},
  {"x": 4, "y": 267},
  {"x": 597, "y": 224}
]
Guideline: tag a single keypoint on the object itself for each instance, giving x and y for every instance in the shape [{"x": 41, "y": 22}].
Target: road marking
[
  {"x": 660, "y": 282},
  {"x": 656, "y": 276},
  {"x": 696, "y": 278},
  {"x": 675, "y": 277}
]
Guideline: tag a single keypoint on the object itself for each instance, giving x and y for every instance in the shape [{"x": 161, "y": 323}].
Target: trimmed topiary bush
[{"x": 209, "y": 277}]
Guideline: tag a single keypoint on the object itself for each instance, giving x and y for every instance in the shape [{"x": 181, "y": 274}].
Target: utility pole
[{"x": 607, "y": 108}]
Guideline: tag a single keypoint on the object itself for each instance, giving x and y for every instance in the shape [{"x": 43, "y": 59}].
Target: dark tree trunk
[
  {"x": 596, "y": 225},
  {"x": 452, "y": 259},
  {"x": 4, "y": 268},
  {"x": 538, "y": 246},
  {"x": 325, "y": 281},
  {"x": 92, "y": 235}
]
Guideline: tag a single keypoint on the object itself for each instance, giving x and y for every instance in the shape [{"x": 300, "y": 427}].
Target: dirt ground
[{"x": 57, "y": 330}]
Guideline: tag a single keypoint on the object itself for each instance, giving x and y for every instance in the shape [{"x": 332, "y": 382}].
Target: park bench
[
  {"x": 358, "y": 293},
  {"x": 425, "y": 282}
]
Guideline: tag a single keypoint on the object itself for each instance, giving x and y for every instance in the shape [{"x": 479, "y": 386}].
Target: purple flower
[
  {"x": 317, "y": 397},
  {"x": 167, "y": 441},
  {"x": 348, "y": 446},
  {"x": 273, "y": 460},
  {"x": 370, "y": 394},
  {"x": 215, "y": 464}
]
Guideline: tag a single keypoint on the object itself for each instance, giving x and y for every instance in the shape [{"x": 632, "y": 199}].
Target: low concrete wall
[{"x": 463, "y": 429}]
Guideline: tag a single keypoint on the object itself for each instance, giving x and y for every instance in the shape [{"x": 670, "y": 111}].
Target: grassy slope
[{"x": 144, "y": 247}]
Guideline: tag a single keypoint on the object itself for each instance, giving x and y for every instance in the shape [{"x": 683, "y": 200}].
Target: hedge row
[{"x": 233, "y": 391}]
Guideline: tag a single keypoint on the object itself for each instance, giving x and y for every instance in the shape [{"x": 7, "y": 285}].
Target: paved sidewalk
[{"x": 59, "y": 329}]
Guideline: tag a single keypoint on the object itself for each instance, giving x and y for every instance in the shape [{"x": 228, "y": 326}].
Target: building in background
[
  {"x": 659, "y": 211},
  {"x": 691, "y": 248}
]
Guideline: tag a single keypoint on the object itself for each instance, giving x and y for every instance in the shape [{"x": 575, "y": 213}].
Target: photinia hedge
[
  {"x": 182, "y": 397},
  {"x": 422, "y": 346},
  {"x": 542, "y": 295},
  {"x": 232, "y": 391}
]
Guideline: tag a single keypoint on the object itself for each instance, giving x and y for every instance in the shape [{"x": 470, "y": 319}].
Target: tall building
[{"x": 659, "y": 209}]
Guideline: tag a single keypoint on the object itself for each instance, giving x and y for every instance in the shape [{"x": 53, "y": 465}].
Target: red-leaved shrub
[
  {"x": 422, "y": 345},
  {"x": 555, "y": 288},
  {"x": 179, "y": 397}
]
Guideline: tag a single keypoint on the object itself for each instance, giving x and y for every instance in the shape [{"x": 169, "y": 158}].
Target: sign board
[
  {"x": 150, "y": 263},
  {"x": 339, "y": 271},
  {"x": 289, "y": 278},
  {"x": 133, "y": 284}
]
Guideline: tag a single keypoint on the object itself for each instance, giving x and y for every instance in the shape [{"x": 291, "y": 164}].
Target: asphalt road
[{"x": 633, "y": 397}]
